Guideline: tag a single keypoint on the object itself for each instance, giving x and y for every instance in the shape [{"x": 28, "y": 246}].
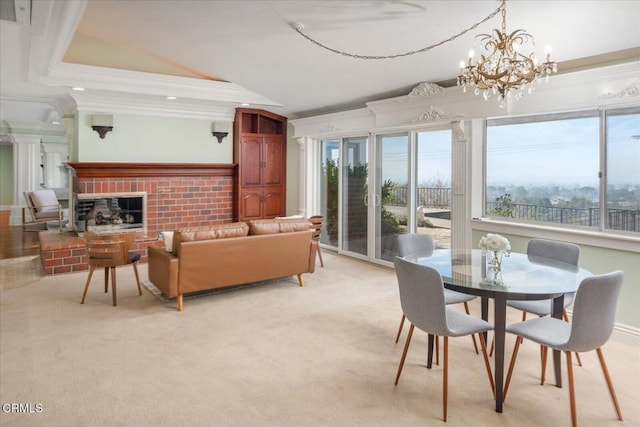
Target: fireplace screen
[{"x": 110, "y": 212}]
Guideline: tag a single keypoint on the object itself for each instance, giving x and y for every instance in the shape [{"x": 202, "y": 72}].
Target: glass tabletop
[{"x": 522, "y": 276}]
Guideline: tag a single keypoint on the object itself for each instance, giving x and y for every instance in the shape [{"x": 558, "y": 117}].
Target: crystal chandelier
[{"x": 502, "y": 70}]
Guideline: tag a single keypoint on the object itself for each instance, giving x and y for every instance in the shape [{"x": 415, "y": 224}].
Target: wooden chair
[
  {"x": 108, "y": 252},
  {"x": 316, "y": 227},
  {"x": 42, "y": 207}
]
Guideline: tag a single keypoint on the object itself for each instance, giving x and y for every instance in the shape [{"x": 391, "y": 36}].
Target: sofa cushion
[
  {"x": 218, "y": 231},
  {"x": 263, "y": 226},
  {"x": 277, "y": 225},
  {"x": 288, "y": 225}
]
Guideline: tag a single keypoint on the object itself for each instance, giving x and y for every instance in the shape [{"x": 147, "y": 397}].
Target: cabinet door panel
[
  {"x": 251, "y": 204},
  {"x": 273, "y": 200},
  {"x": 250, "y": 158},
  {"x": 273, "y": 166}
]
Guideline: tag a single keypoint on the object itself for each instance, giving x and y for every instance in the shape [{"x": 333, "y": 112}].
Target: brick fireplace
[{"x": 177, "y": 195}]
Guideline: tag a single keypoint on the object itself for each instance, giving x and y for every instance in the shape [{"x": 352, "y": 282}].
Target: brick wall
[
  {"x": 178, "y": 195},
  {"x": 174, "y": 202}
]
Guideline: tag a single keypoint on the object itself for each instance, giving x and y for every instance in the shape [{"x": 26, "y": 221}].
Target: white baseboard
[{"x": 626, "y": 334}]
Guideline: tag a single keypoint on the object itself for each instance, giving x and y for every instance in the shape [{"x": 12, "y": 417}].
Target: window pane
[
  {"x": 329, "y": 191},
  {"x": 355, "y": 176},
  {"x": 392, "y": 212},
  {"x": 544, "y": 170},
  {"x": 433, "y": 192},
  {"x": 623, "y": 172}
]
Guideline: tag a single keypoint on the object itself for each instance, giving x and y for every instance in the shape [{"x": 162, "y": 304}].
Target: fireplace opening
[{"x": 110, "y": 212}]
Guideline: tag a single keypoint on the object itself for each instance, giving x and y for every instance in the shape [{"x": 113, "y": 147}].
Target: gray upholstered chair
[
  {"x": 593, "y": 319},
  {"x": 547, "y": 252},
  {"x": 423, "y": 303},
  {"x": 413, "y": 244}
]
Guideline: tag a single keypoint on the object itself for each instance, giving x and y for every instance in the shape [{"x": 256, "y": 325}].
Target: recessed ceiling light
[
  {"x": 55, "y": 122},
  {"x": 79, "y": 89},
  {"x": 171, "y": 97},
  {"x": 244, "y": 104}
]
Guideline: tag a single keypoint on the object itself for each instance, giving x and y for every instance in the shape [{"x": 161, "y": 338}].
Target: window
[{"x": 548, "y": 169}]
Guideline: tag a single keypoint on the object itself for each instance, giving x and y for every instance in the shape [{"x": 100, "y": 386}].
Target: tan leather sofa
[{"x": 231, "y": 254}]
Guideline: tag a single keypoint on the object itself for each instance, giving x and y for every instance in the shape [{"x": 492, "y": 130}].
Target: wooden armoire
[{"x": 260, "y": 151}]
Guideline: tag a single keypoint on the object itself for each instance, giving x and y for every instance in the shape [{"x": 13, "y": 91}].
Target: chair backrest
[
  {"x": 106, "y": 253},
  {"x": 594, "y": 311},
  {"x": 108, "y": 250},
  {"x": 422, "y": 296},
  {"x": 415, "y": 243},
  {"x": 541, "y": 250},
  {"x": 316, "y": 226}
]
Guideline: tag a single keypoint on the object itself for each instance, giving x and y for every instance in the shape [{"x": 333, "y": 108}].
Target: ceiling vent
[{"x": 18, "y": 11}]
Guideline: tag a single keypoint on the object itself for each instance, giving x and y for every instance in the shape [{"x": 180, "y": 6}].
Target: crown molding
[{"x": 130, "y": 104}]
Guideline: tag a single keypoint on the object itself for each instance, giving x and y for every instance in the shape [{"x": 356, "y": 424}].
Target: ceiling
[{"x": 214, "y": 55}]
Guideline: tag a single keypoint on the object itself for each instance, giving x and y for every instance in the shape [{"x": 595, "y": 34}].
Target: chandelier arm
[{"x": 299, "y": 29}]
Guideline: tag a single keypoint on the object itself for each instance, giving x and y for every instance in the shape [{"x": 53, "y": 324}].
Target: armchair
[{"x": 42, "y": 207}]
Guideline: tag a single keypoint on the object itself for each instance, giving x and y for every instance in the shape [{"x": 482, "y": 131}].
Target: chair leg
[
  {"x": 320, "y": 255},
  {"x": 445, "y": 377},
  {"x": 106, "y": 280},
  {"x": 487, "y": 365},
  {"x": 612, "y": 392},
  {"x": 572, "y": 391},
  {"x": 113, "y": 286},
  {"x": 510, "y": 371},
  {"x": 300, "y": 280},
  {"x": 404, "y": 353},
  {"x": 400, "y": 328},
  {"x": 437, "y": 350},
  {"x": 135, "y": 270},
  {"x": 86, "y": 286},
  {"x": 543, "y": 360},
  {"x": 493, "y": 343},
  {"x": 180, "y": 301},
  {"x": 473, "y": 337}
]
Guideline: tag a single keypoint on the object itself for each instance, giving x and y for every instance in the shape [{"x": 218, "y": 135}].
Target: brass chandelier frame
[{"x": 504, "y": 70}]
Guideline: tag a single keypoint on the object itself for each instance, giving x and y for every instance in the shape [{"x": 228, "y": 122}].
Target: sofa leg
[
  {"x": 300, "y": 280},
  {"x": 180, "y": 302}
]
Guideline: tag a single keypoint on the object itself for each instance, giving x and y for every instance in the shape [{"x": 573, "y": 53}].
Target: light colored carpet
[{"x": 270, "y": 355}]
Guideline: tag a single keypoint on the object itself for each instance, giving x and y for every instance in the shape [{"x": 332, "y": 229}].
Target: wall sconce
[
  {"x": 219, "y": 135},
  {"x": 102, "y": 123}
]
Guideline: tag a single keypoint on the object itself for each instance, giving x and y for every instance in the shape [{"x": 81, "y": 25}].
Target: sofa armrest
[{"x": 163, "y": 269}]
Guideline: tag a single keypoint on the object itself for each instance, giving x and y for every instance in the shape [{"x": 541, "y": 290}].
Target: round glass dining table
[{"x": 521, "y": 277}]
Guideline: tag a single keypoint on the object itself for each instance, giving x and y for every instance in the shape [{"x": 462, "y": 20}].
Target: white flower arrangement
[{"x": 495, "y": 243}]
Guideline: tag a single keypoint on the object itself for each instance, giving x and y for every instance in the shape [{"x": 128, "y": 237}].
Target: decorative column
[
  {"x": 54, "y": 156},
  {"x": 26, "y": 171},
  {"x": 307, "y": 176},
  {"x": 461, "y": 180}
]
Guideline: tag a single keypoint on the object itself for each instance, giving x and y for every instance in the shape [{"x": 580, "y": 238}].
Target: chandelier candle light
[
  {"x": 494, "y": 247},
  {"x": 502, "y": 69}
]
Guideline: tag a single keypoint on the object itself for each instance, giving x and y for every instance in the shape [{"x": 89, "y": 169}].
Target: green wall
[
  {"x": 138, "y": 138},
  {"x": 6, "y": 175},
  {"x": 600, "y": 260}
]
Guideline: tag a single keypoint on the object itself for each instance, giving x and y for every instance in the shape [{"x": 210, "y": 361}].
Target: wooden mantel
[{"x": 131, "y": 169}]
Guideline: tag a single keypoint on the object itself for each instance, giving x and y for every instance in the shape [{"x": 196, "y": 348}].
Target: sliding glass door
[{"x": 372, "y": 190}]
